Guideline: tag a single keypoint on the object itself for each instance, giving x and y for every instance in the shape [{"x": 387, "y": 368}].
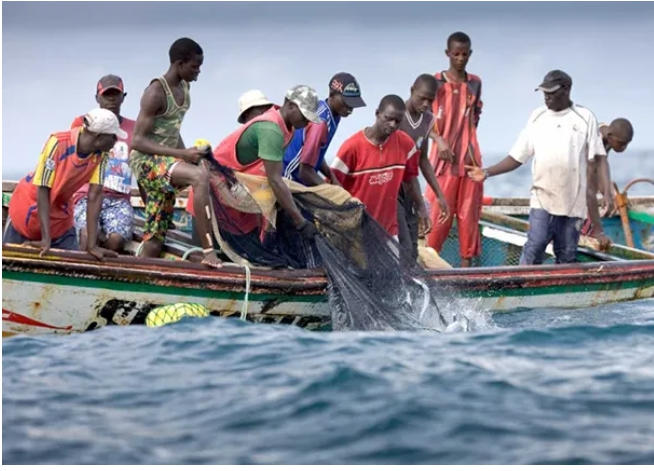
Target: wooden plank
[{"x": 616, "y": 250}]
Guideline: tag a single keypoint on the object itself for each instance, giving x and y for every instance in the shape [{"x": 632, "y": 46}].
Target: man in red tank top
[
  {"x": 257, "y": 148},
  {"x": 457, "y": 109}
]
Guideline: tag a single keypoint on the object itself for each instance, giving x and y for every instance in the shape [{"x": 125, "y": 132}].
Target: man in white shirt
[{"x": 563, "y": 139}]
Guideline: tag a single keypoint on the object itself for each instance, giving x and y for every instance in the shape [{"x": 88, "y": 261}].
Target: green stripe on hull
[
  {"x": 560, "y": 289},
  {"x": 647, "y": 218},
  {"x": 316, "y": 298},
  {"x": 152, "y": 288}
]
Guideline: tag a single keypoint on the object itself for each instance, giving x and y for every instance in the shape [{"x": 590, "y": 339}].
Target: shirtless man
[{"x": 163, "y": 167}]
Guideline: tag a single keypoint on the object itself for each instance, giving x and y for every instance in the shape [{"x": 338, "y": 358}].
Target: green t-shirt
[{"x": 263, "y": 140}]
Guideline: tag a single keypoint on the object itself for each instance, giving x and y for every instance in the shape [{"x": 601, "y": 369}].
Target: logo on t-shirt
[
  {"x": 118, "y": 176},
  {"x": 381, "y": 178}
]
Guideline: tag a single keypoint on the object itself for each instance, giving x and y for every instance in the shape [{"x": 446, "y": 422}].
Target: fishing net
[{"x": 373, "y": 284}]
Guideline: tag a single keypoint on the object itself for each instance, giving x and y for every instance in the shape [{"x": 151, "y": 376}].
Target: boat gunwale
[{"x": 138, "y": 270}]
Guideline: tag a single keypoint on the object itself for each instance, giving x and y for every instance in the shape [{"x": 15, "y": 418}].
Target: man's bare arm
[
  {"x": 281, "y": 191},
  {"x": 591, "y": 197}
]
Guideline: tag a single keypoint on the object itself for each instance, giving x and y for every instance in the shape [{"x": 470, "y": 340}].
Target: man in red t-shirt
[
  {"x": 371, "y": 164},
  {"x": 117, "y": 214}
]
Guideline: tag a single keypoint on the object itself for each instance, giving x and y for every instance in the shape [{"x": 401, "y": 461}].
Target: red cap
[{"x": 108, "y": 82}]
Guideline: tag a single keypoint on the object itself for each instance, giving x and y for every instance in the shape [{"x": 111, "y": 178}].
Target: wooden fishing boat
[{"x": 67, "y": 292}]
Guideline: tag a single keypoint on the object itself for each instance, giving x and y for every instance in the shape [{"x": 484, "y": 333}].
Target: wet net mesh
[{"x": 373, "y": 285}]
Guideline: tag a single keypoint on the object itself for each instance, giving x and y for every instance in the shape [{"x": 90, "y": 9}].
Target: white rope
[{"x": 244, "y": 309}]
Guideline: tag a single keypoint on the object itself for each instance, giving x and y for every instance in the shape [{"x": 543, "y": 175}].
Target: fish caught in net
[{"x": 373, "y": 285}]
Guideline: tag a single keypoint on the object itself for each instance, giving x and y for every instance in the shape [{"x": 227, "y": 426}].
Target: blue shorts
[
  {"x": 116, "y": 216},
  {"x": 68, "y": 241},
  {"x": 545, "y": 228}
]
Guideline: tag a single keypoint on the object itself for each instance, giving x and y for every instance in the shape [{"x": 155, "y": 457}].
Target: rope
[
  {"x": 244, "y": 309},
  {"x": 190, "y": 251},
  {"x": 243, "y": 263}
]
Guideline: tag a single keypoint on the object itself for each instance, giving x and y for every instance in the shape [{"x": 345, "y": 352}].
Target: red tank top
[{"x": 225, "y": 152}]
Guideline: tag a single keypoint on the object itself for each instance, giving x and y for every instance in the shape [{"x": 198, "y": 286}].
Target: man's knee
[{"x": 200, "y": 177}]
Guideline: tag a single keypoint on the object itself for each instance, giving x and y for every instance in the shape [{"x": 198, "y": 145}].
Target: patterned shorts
[
  {"x": 153, "y": 175},
  {"x": 116, "y": 216}
]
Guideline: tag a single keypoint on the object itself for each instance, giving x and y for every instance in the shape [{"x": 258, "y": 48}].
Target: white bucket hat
[{"x": 250, "y": 99}]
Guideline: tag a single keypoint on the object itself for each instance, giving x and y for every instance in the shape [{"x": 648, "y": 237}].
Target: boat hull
[{"x": 62, "y": 295}]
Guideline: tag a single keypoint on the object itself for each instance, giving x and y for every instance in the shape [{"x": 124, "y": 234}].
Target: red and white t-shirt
[{"x": 373, "y": 174}]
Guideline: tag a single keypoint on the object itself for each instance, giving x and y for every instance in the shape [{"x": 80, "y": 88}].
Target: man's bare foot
[{"x": 212, "y": 261}]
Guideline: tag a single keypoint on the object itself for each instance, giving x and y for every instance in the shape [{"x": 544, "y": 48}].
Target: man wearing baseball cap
[
  {"x": 305, "y": 155},
  {"x": 564, "y": 140},
  {"x": 257, "y": 148},
  {"x": 117, "y": 213},
  {"x": 40, "y": 209}
]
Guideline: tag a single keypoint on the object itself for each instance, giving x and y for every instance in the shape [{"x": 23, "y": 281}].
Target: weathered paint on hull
[{"x": 35, "y": 303}]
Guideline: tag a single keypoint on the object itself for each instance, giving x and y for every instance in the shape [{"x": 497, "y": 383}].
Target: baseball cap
[
  {"x": 250, "y": 99},
  {"x": 103, "y": 121},
  {"x": 108, "y": 82},
  {"x": 554, "y": 80},
  {"x": 347, "y": 86},
  {"x": 306, "y": 99}
]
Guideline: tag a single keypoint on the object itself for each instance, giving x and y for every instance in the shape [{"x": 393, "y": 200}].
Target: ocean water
[{"x": 539, "y": 386}]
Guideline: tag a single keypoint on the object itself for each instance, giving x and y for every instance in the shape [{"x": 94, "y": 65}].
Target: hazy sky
[{"x": 54, "y": 53}]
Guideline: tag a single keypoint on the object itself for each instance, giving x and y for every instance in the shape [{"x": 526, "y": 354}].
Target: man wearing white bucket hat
[
  {"x": 252, "y": 104},
  {"x": 41, "y": 207}
]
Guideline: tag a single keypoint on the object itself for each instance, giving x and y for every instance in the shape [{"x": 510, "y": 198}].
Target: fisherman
[
  {"x": 251, "y": 104},
  {"x": 305, "y": 155},
  {"x": 564, "y": 140},
  {"x": 457, "y": 108},
  {"x": 257, "y": 148},
  {"x": 117, "y": 213},
  {"x": 40, "y": 209},
  {"x": 615, "y": 136},
  {"x": 163, "y": 167},
  {"x": 418, "y": 123},
  {"x": 370, "y": 164}
]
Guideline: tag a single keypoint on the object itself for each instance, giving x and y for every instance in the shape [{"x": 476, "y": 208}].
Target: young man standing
[
  {"x": 370, "y": 164},
  {"x": 564, "y": 140},
  {"x": 41, "y": 207},
  {"x": 457, "y": 108},
  {"x": 117, "y": 213},
  {"x": 162, "y": 165},
  {"x": 305, "y": 155},
  {"x": 418, "y": 123}
]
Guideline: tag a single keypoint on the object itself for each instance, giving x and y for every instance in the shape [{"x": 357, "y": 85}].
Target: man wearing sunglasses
[{"x": 564, "y": 140}]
